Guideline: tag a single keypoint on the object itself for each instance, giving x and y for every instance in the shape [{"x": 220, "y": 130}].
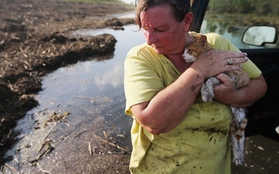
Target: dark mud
[{"x": 34, "y": 41}]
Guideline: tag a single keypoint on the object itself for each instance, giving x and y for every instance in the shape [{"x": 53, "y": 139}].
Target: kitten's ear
[{"x": 204, "y": 39}]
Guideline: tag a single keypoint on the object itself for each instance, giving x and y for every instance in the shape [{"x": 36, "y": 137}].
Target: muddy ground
[{"x": 34, "y": 41}]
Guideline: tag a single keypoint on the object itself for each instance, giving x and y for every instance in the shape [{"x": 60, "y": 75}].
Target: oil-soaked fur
[{"x": 240, "y": 78}]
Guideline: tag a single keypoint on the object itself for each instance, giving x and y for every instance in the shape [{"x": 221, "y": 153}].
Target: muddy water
[
  {"x": 129, "y": 1},
  {"x": 89, "y": 99}
]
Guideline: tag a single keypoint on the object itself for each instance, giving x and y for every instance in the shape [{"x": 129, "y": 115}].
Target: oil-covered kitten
[{"x": 240, "y": 78}]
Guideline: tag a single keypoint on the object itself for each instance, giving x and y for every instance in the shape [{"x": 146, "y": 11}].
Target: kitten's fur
[{"x": 240, "y": 78}]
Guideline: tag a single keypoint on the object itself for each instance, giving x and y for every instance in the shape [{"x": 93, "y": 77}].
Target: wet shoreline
[{"x": 35, "y": 42}]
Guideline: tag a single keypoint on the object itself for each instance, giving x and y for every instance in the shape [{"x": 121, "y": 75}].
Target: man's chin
[{"x": 157, "y": 50}]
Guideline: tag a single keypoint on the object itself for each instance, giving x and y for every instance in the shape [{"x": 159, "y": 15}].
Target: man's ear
[{"x": 188, "y": 19}]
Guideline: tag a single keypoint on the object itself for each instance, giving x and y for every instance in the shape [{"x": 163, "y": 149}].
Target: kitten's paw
[
  {"x": 238, "y": 161},
  {"x": 238, "y": 149},
  {"x": 207, "y": 90},
  {"x": 207, "y": 93}
]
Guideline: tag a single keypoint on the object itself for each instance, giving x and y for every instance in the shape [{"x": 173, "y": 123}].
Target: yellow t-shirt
[{"x": 200, "y": 143}]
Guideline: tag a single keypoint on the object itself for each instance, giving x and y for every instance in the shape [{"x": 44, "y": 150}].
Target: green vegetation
[
  {"x": 244, "y": 12},
  {"x": 259, "y": 7},
  {"x": 106, "y": 2},
  {"x": 97, "y": 1},
  {"x": 236, "y": 15}
]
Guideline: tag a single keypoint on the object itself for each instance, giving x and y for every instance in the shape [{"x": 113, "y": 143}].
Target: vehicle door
[{"x": 236, "y": 20}]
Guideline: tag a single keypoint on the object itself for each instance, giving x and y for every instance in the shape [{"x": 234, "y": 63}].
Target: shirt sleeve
[{"x": 141, "y": 82}]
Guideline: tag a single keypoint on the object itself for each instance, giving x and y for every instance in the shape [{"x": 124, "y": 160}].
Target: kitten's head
[{"x": 196, "y": 48}]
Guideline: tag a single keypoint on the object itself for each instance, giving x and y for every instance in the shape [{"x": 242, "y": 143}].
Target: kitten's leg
[
  {"x": 237, "y": 137},
  {"x": 238, "y": 147},
  {"x": 207, "y": 89},
  {"x": 234, "y": 141},
  {"x": 239, "y": 113},
  {"x": 241, "y": 129}
]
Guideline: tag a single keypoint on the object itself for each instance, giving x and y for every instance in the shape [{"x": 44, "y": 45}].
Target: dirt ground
[{"x": 34, "y": 41}]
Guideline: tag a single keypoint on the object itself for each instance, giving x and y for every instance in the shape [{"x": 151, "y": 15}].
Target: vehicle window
[{"x": 231, "y": 18}]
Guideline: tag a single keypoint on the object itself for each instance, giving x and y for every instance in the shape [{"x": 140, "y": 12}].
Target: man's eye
[{"x": 160, "y": 30}]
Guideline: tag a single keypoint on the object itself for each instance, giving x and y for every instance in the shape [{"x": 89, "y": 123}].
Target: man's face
[{"x": 162, "y": 31}]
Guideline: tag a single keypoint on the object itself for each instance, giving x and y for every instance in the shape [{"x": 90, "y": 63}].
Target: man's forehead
[{"x": 154, "y": 20}]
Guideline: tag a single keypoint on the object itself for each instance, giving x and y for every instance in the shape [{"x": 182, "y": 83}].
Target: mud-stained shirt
[{"x": 200, "y": 143}]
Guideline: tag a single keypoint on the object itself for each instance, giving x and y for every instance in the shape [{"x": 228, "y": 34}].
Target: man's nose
[{"x": 150, "y": 37}]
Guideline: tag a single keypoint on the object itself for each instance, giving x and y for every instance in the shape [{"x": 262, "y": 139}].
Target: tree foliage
[{"x": 259, "y": 7}]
